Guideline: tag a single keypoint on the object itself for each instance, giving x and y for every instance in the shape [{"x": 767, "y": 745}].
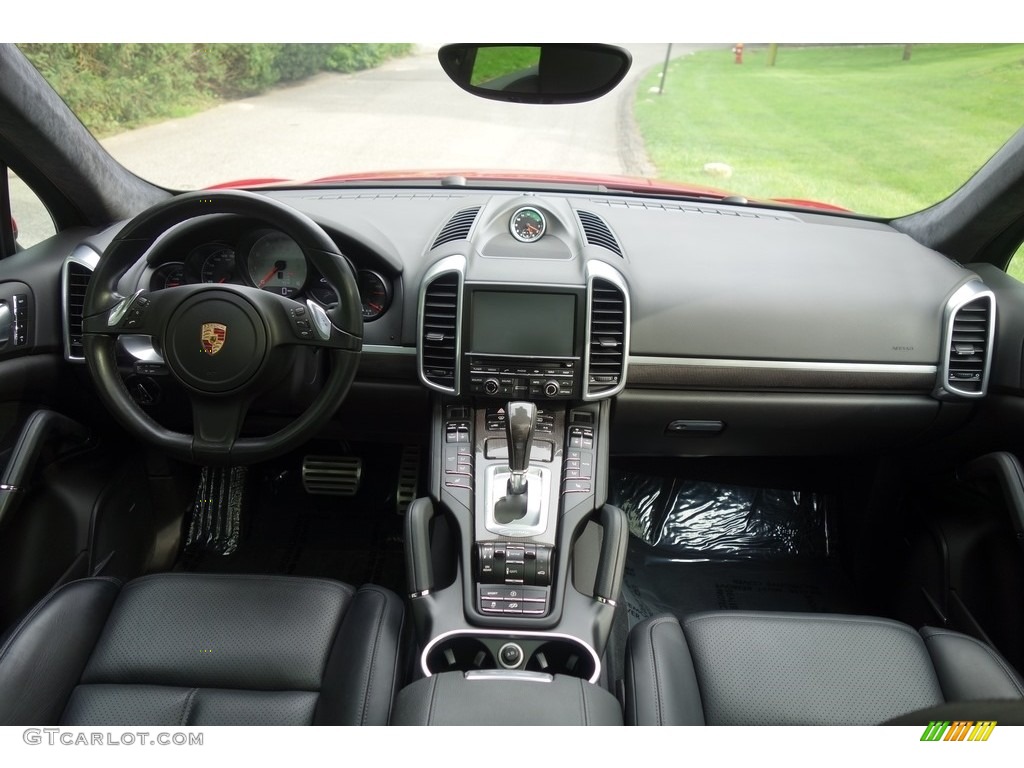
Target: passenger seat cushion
[{"x": 800, "y": 669}]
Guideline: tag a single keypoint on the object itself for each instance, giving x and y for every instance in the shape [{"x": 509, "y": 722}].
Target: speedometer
[
  {"x": 527, "y": 225},
  {"x": 276, "y": 263}
]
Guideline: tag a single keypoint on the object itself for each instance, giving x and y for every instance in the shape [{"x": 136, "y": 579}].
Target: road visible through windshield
[{"x": 404, "y": 115}]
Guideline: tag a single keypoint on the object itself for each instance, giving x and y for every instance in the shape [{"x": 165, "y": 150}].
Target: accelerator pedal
[
  {"x": 332, "y": 475},
  {"x": 408, "y": 478},
  {"x": 216, "y": 521}
]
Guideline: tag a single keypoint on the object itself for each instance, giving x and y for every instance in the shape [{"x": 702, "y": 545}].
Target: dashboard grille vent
[
  {"x": 76, "y": 284},
  {"x": 598, "y": 233},
  {"x": 707, "y": 210},
  {"x": 457, "y": 227},
  {"x": 969, "y": 347},
  {"x": 607, "y": 349},
  {"x": 440, "y": 331}
]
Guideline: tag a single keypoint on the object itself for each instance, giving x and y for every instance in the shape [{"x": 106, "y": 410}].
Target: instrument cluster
[{"x": 270, "y": 260}]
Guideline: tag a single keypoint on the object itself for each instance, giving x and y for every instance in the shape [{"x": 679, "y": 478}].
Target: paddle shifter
[{"x": 520, "y": 420}]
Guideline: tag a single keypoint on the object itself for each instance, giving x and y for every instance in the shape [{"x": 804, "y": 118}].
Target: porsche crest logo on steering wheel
[{"x": 213, "y": 336}]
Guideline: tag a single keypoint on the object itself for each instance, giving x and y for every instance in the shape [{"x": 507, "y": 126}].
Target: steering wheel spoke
[
  {"x": 142, "y": 313},
  {"x": 217, "y": 422},
  {"x": 304, "y": 322}
]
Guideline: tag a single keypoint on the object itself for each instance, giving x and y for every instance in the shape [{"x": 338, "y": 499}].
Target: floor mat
[
  {"x": 655, "y": 584},
  {"x": 357, "y": 539}
]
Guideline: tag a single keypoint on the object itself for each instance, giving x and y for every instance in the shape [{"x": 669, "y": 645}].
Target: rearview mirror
[{"x": 548, "y": 73}]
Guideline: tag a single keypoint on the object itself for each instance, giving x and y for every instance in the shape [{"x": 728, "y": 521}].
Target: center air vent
[
  {"x": 968, "y": 352},
  {"x": 608, "y": 344},
  {"x": 598, "y": 233},
  {"x": 439, "y": 328},
  {"x": 458, "y": 227},
  {"x": 75, "y": 282}
]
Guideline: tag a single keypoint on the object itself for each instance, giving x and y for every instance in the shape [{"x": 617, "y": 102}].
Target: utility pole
[{"x": 664, "y": 69}]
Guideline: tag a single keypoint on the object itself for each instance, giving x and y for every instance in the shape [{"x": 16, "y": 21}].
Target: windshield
[{"x": 881, "y": 130}]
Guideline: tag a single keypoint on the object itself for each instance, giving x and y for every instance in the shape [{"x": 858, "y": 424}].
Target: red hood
[{"x": 625, "y": 183}]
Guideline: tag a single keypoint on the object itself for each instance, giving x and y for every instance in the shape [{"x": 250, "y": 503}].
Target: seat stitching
[
  {"x": 654, "y": 666},
  {"x": 991, "y": 653},
  {"x": 368, "y": 677},
  {"x": 186, "y": 708},
  {"x": 430, "y": 705},
  {"x": 583, "y": 703}
]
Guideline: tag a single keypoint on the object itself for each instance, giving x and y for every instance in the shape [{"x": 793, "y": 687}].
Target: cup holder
[{"x": 469, "y": 650}]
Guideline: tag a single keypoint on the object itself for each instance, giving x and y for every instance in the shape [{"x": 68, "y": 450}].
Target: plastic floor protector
[
  {"x": 695, "y": 519},
  {"x": 698, "y": 546}
]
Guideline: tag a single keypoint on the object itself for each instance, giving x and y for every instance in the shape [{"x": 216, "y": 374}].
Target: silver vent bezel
[
  {"x": 450, "y": 264},
  {"x": 964, "y": 295},
  {"x": 601, "y": 270},
  {"x": 86, "y": 257}
]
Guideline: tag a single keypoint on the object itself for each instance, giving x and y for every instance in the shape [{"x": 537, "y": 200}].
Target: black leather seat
[
  {"x": 740, "y": 668},
  {"x": 191, "y": 649}
]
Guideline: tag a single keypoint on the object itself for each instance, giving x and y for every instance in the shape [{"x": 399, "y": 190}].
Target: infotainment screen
[{"x": 526, "y": 324}]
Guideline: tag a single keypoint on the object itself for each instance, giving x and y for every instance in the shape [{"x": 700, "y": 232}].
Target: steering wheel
[{"x": 219, "y": 340}]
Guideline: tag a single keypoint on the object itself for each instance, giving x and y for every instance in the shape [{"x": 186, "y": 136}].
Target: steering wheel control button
[
  {"x": 117, "y": 314},
  {"x": 215, "y": 342}
]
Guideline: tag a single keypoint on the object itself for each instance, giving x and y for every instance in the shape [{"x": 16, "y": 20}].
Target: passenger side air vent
[
  {"x": 439, "y": 331},
  {"x": 970, "y": 346},
  {"x": 969, "y": 324},
  {"x": 76, "y": 276},
  {"x": 609, "y": 339},
  {"x": 598, "y": 233},
  {"x": 458, "y": 227}
]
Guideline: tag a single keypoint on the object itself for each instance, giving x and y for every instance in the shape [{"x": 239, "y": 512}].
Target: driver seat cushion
[
  {"x": 760, "y": 668},
  {"x": 199, "y": 649}
]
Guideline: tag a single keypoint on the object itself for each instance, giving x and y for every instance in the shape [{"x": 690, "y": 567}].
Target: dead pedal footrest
[{"x": 217, "y": 513}]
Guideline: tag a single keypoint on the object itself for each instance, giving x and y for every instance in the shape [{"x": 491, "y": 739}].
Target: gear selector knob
[{"x": 519, "y": 425}]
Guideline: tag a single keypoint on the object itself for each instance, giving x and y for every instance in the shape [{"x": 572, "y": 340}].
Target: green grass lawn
[{"x": 854, "y": 126}]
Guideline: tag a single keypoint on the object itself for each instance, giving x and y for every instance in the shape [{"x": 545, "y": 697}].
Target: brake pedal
[
  {"x": 408, "y": 478},
  {"x": 332, "y": 475},
  {"x": 217, "y": 513}
]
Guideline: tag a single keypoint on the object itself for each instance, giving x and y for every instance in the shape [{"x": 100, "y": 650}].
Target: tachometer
[
  {"x": 527, "y": 225},
  {"x": 277, "y": 264},
  {"x": 169, "y": 275},
  {"x": 219, "y": 265}
]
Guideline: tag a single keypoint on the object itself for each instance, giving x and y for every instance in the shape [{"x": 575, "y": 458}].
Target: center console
[{"x": 515, "y": 560}]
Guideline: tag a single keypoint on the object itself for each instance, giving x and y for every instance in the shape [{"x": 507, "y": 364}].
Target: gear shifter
[{"x": 520, "y": 418}]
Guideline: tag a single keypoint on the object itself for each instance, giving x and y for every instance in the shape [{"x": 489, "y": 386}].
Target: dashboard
[{"x": 718, "y": 328}]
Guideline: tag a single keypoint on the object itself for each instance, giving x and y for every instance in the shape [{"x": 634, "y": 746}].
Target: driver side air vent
[
  {"x": 598, "y": 233},
  {"x": 439, "y": 323},
  {"x": 970, "y": 345},
  {"x": 76, "y": 275},
  {"x": 606, "y": 353},
  {"x": 458, "y": 227}
]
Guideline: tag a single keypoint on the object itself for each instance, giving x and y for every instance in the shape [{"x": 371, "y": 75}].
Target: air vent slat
[
  {"x": 968, "y": 350},
  {"x": 439, "y": 331},
  {"x": 597, "y": 232},
  {"x": 78, "y": 277},
  {"x": 458, "y": 227},
  {"x": 606, "y": 352}
]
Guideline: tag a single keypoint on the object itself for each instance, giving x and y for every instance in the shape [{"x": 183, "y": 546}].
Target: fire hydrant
[{"x": 738, "y": 50}]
